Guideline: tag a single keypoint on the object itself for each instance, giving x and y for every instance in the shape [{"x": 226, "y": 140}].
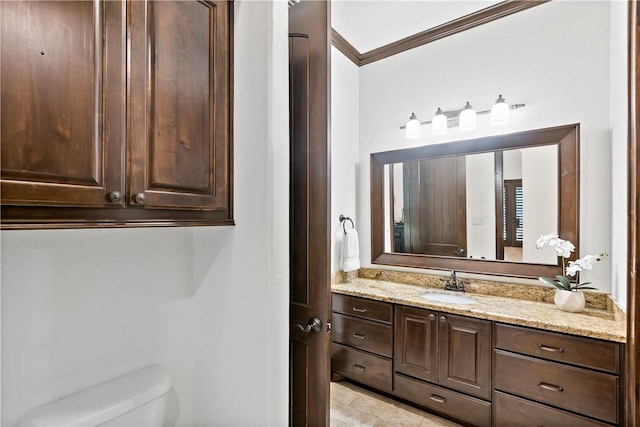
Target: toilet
[{"x": 136, "y": 399}]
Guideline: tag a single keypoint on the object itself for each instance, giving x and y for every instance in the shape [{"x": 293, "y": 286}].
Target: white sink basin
[{"x": 449, "y": 298}]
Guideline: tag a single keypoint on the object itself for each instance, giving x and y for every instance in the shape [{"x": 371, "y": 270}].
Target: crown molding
[
  {"x": 345, "y": 47},
  {"x": 450, "y": 28}
]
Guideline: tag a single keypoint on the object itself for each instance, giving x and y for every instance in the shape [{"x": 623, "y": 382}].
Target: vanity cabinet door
[
  {"x": 416, "y": 343},
  {"x": 465, "y": 354}
]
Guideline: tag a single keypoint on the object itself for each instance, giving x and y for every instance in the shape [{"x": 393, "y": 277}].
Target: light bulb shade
[
  {"x": 500, "y": 112},
  {"x": 412, "y": 128},
  {"x": 439, "y": 123},
  {"x": 467, "y": 118}
]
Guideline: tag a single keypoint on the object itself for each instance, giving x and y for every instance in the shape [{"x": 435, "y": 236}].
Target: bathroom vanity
[{"x": 494, "y": 362}]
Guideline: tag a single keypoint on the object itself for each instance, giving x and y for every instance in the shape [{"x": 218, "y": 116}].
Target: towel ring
[{"x": 343, "y": 219}]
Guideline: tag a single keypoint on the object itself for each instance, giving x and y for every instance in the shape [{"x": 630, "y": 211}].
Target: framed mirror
[{"x": 478, "y": 205}]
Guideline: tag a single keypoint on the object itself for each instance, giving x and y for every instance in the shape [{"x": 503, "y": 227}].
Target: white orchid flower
[
  {"x": 573, "y": 268},
  {"x": 565, "y": 248},
  {"x": 545, "y": 239},
  {"x": 587, "y": 261},
  {"x": 584, "y": 263}
]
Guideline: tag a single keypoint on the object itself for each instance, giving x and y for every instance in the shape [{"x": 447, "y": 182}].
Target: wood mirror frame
[{"x": 566, "y": 137}]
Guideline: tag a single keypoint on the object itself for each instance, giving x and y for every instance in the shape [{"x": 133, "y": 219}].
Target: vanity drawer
[
  {"x": 465, "y": 408},
  {"x": 579, "y": 390},
  {"x": 363, "y": 334},
  {"x": 361, "y": 366},
  {"x": 587, "y": 352},
  {"x": 511, "y": 411},
  {"x": 365, "y": 308}
]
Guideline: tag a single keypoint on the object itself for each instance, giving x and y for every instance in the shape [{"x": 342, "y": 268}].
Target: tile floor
[{"x": 353, "y": 406}]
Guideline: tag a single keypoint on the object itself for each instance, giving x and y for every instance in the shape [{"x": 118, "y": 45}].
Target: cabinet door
[
  {"x": 62, "y": 103},
  {"x": 179, "y": 103},
  {"x": 465, "y": 355},
  {"x": 416, "y": 343}
]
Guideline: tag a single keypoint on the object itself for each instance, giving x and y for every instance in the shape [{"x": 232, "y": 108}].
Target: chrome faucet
[{"x": 453, "y": 284}]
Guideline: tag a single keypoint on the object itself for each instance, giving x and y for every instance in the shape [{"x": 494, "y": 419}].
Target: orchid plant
[{"x": 573, "y": 268}]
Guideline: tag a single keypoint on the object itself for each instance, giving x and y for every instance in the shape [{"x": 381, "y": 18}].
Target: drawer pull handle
[
  {"x": 359, "y": 368},
  {"x": 437, "y": 398},
  {"x": 551, "y": 349},
  {"x": 359, "y": 336},
  {"x": 550, "y": 387},
  {"x": 359, "y": 310}
]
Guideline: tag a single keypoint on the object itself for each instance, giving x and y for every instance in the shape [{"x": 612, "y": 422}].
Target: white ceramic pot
[{"x": 569, "y": 300}]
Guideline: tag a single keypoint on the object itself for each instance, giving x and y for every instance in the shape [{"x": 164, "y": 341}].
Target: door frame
[
  {"x": 309, "y": 214},
  {"x": 632, "y": 354},
  {"x": 632, "y": 359}
]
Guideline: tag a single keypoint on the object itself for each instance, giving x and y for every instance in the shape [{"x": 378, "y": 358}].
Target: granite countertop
[{"x": 594, "y": 323}]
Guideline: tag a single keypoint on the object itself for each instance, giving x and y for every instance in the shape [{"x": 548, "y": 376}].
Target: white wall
[
  {"x": 344, "y": 148},
  {"x": 539, "y": 201},
  {"x": 512, "y": 164},
  {"x": 554, "y": 58},
  {"x": 619, "y": 120},
  {"x": 481, "y": 207},
  {"x": 82, "y": 306},
  {"x": 211, "y": 304},
  {"x": 398, "y": 192},
  {"x": 242, "y": 273}
]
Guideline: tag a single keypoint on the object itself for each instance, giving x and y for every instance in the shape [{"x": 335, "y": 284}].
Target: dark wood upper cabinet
[
  {"x": 62, "y": 103},
  {"x": 178, "y": 113},
  {"x": 116, "y": 113}
]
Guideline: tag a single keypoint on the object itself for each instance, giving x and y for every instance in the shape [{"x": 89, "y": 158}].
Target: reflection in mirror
[
  {"x": 490, "y": 206},
  {"x": 478, "y": 201}
]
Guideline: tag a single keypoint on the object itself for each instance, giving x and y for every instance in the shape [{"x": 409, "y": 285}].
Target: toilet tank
[{"x": 136, "y": 399}]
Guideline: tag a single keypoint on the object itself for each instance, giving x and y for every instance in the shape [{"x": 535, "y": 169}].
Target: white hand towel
[{"x": 350, "y": 251}]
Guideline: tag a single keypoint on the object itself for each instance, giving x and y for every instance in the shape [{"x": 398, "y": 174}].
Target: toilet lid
[{"x": 103, "y": 402}]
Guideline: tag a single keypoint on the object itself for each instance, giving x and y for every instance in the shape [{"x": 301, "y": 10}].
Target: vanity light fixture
[
  {"x": 467, "y": 118},
  {"x": 439, "y": 123},
  {"x": 412, "y": 128},
  {"x": 464, "y": 118},
  {"x": 499, "y": 112}
]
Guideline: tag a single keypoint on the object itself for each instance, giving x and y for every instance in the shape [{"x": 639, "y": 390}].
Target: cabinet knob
[
  {"x": 443, "y": 319},
  {"x": 432, "y": 317},
  {"x": 140, "y": 198},
  {"x": 115, "y": 196}
]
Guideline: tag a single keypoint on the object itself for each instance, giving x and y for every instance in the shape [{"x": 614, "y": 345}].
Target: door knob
[{"x": 314, "y": 325}]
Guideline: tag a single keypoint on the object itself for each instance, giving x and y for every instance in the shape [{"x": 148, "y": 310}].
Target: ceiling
[{"x": 369, "y": 24}]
